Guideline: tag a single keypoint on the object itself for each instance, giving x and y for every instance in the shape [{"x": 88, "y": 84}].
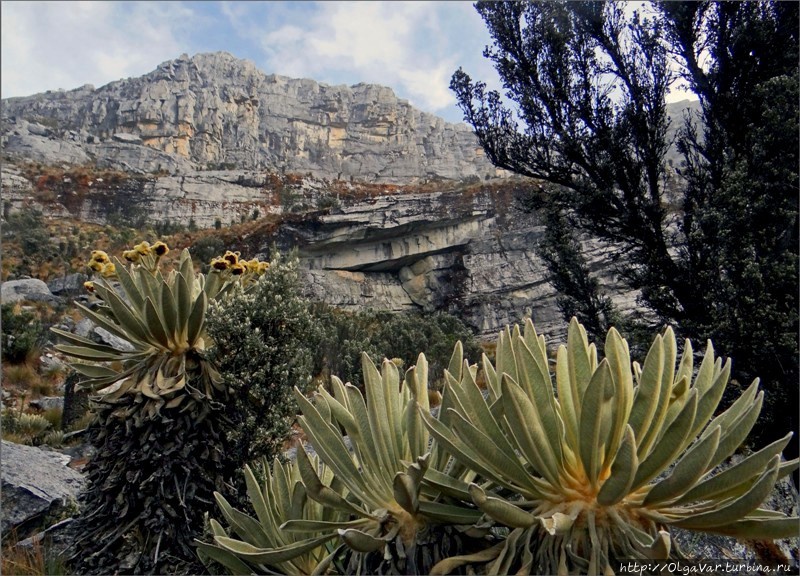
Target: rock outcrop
[
  {"x": 30, "y": 289},
  {"x": 36, "y": 486},
  {"x": 461, "y": 248},
  {"x": 469, "y": 252},
  {"x": 211, "y": 140},
  {"x": 213, "y": 110}
]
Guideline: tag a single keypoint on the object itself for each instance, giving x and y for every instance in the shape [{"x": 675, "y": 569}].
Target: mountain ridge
[{"x": 215, "y": 110}]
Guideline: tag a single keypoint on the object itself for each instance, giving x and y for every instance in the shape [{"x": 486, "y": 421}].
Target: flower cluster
[
  {"x": 100, "y": 263},
  {"x": 226, "y": 268},
  {"x": 142, "y": 254},
  {"x": 145, "y": 254},
  {"x": 231, "y": 263}
]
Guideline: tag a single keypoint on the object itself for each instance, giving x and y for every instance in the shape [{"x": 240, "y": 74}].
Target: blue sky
[{"x": 412, "y": 47}]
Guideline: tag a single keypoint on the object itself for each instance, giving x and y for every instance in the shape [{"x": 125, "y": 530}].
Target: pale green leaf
[
  {"x": 361, "y": 541},
  {"x": 539, "y": 388},
  {"x": 129, "y": 321},
  {"x": 687, "y": 470},
  {"x": 501, "y": 510},
  {"x": 647, "y": 395},
  {"x": 596, "y": 421},
  {"x": 760, "y": 529},
  {"x": 739, "y": 507},
  {"x": 623, "y": 471},
  {"x": 567, "y": 398},
  {"x": 456, "y": 361},
  {"x": 740, "y": 473},
  {"x": 580, "y": 365},
  {"x": 224, "y": 557},
  {"x": 197, "y": 319},
  {"x": 155, "y": 325},
  {"x": 271, "y": 557},
  {"x": 670, "y": 445},
  {"x": 526, "y": 429}
]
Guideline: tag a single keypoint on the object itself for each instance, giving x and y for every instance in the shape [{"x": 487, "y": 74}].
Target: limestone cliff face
[
  {"x": 464, "y": 249},
  {"x": 211, "y": 138},
  {"x": 469, "y": 252},
  {"x": 213, "y": 110}
]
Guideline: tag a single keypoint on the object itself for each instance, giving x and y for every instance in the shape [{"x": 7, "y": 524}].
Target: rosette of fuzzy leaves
[
  {"x": 598, "y": 465},
  {"x": 162, "y": 320},
  {"x": 401, "y": 526},
  {"x": 159, "y": 432},
  {"x": 263, "y": 544}
]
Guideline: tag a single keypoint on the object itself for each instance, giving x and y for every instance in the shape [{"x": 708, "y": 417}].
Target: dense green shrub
[
  {"x": 262, "y": 351},
  {"x": 27, "y": 228},
  {"x": 23, "y": 334},
  {"x": 23, "y": 428},
  {"x": 28, "y": 225},
  {"x": 382, "y": 334}
]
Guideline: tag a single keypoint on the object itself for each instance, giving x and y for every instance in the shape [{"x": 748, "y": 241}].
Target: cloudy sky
[{"x": 413, "y": 47}]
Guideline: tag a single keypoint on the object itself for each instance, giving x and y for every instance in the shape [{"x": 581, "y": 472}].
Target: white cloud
[
  {"x": 48, "y": 45},
  {"x": 412, "y": 47},
  {"x": 398, "y": 44}
]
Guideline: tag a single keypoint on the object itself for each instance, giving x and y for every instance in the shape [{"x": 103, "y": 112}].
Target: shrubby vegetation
[
  {"x": 23, "y": 334},
  {"x": 261, "y": 348},
  {"x": 160, "y": 432},
  {"x": 199, "y": 395},
  {"x": 533, "y": 475},
  {"x": 343, "y": 336},
  {"x": 540, "y": 468}
]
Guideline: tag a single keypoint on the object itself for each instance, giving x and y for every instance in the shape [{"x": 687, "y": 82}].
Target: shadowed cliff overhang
[{"x": 389, "y": 250}]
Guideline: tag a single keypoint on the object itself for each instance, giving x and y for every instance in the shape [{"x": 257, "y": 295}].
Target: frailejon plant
[
  {"x": 393, "y": 523},
  {"x": 159, "y": 434},
  {"x": 402, "y": 526},
  {"x": 598, "y": 466},
  {"x": 262, "y": 545}
]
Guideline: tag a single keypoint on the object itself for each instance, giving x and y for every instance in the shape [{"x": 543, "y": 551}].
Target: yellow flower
[
  {"x": 238, "y": 269},
  {"x": 232, "y": 257},
  {"x": 99, "y": 256},
  {"x": 95, "y": 265},
  {"x": 131, "y": 255},
  {"x": 89, "y": 286},
  {"x": 262, "y": 267},
  {"x": 143, "y": 248},
  {"x": 252, "y": 265},
  {"x": 219, "y": 264},
  {"x": 160, "y": 248},
  {"x": 108, "y": 270}
]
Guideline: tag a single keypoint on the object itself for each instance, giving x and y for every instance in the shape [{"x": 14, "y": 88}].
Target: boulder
[
  {"x": 39, "y": 130},
  {"x": 48, "y": 363},
  {"x": 29, "y": 289},
  {"x": 69, "y": 284},
  {"x": 103, "y": 336},
  {"x": 87, "y": 329},
  {"x": 37, "y": 486},
  {"x": 214, "y": 110}
]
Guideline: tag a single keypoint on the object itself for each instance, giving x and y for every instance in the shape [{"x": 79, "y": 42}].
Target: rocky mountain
[
  {"x": 388, "y": 206},
  {"x": 216, "y": 111},
  {"x": 462, "y": 247}
]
